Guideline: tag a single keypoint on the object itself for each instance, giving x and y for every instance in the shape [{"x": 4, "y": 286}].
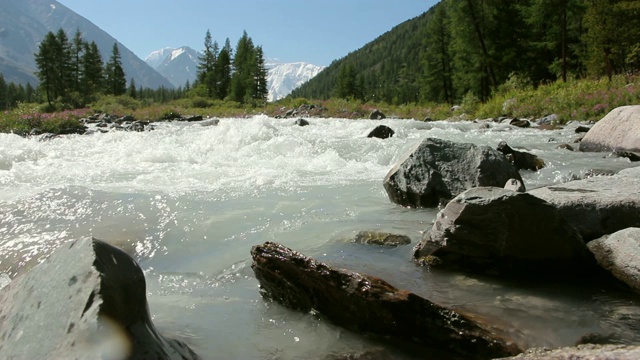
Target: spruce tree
[
  {"x": 346, "y": 83},
  {"x": 242, "y": 78},
  {"x": 261, "y": 89},
  {"x": 3, "y": 93},
  {"x": 222, "y": 71},
  {"x": 92, "y": 71},
  {"x": 63, "y": 59},
  {"x": 114, "y": 74},
  {"x": 436, "y": 80},
  {"x": 132, "y": 91},
  {"x": 206, "y": 65},
  {"x": 47, "y": 67}
]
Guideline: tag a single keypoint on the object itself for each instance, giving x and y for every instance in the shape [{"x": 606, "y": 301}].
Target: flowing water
[{"x": 188, "y": 203}]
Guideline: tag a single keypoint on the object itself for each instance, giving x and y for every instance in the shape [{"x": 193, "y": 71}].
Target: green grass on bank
[{"x": 574, "y": 100}]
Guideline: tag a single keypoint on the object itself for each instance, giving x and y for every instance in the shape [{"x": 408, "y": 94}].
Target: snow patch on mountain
[
  {"x": 157, "y": 57},
  {"x": 283, "y": 78},
  {"x": 177, "y": 52}
]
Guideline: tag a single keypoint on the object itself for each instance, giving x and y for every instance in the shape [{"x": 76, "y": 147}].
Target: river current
[{"x": 188, "y": 202}]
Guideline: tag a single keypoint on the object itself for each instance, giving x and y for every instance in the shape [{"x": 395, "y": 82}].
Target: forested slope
[{"x": 470, "y": 48}]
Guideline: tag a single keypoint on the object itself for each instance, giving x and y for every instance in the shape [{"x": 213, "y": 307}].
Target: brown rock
[{"x": 367, "y": 304}]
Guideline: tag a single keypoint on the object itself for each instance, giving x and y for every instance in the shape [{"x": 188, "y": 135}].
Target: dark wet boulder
[
  {"x": 520, "y": 159},
  {"x": 377, "y": 115},
  {"x": 438, "y": 170},
  {"x": 618, "y": 130},
  {"x": 86, "y": 301},
  {"x": 520, "y": 123},
  {"x": 301, "y": 122},
  {"x": 582, "y": 352},
  {"x": 381, "y": 132},
  {"x": 598, "y": 205},
  {"x": 619, "y": 253},
  {"x": 381, "y": 238},
  {"x": 191, "y": 118},
  {"x": 495, "y": 229},
  {"x": 565, "y": 147},
  {"x": 582, "y": 129},
  {"x": 627, "y": 154},
  {"x": 369, "y": 305}
]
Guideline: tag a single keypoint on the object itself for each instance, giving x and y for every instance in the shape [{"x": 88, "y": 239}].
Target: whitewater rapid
[{"x": 188, "y": 202}]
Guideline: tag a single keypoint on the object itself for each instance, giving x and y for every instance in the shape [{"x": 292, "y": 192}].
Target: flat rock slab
[
  {"x": 86, "y": 301},
  {"x": 582, "y": 352},
  {"x": 619, "y": 253},
  {"x": 369, "y": 305},
  {"x": 599, "y": 205},
  {"x": 618, "y": 130},
  {"x": 503, "y": 229}
]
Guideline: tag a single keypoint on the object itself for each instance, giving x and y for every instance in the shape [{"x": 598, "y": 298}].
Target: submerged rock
[
  {"x": 381, "y": 238},
  {"x": 619, "y": 253},
  {"x": 520, "y": 159},
  {"x": 86, "y": 301},
  {"x": 494, "y": 229},
  {"x": 438, "y": 170},
  {"x": 369, "y": 305},
  {"x": 301, "y": 122},
  {"x": 617, "y": 131},
  {"x": 377, "y": 115},
  {"x": 381, "y": 132}
]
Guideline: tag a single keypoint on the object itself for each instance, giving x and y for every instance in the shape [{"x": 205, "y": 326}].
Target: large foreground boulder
[
  {"x": 86, "y": 301},
  {"x": 367, "y": 304},
  {"x": 497, "y": 229},
  {"x": 598, "y": 205},
  {"x": 619, "y": 253},
  {"x": 618, "y": 130},
  {"x": 438, "y": 170},
  {"x": 583, "y": 352}
]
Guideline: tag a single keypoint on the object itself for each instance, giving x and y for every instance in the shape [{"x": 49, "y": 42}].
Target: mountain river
[{"x": 188, "y": 202}]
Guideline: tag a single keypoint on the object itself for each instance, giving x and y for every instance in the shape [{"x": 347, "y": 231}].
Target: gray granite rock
[
  {"x": 86, "y": 301},
  {"x": 502, "y": 229},
  {"x": 618, "y": 130},
  {"x": 599, "y": 205},
  {"x": 438, "y": 170},
  {"x": 582, "y": 352},
  {"x": 619, "y": 253}
]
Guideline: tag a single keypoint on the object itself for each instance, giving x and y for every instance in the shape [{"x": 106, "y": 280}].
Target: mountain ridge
[{"x": 26, "y": 22}]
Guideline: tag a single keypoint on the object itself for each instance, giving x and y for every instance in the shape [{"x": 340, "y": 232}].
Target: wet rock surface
[
  {"x": 583, "y": 352},
  {"x": 522, "y": 160},
  {"x": 369, "y": 305},
  {"x": 381, "y": 132},
  {"x": 86, "y": 301},
  {"x": 381, "y": 238}
]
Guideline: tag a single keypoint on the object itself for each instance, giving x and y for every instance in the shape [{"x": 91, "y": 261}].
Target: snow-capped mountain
[
  {"x": 178, "y": 65},
  {"x": 283, "y": 78},
  {"x": 181, "y": 64}
]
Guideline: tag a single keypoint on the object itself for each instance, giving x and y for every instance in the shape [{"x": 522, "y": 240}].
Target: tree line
[
  {"x": 72, "y": 72},
  {"x": 471, "y": 48},
  {"x": 225, "y": 74}
]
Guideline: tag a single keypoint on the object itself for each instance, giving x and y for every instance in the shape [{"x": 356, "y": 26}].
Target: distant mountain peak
[{"x": 180, "y": 64}]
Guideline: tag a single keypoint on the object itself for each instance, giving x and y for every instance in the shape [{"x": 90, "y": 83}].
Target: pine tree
[
  {"x": 261, "y": 89},
  {"x": 222, "y": 71},
  {"x": 92, "y": 71},
  {"x": 29, "y": 93},
  {"x": 115, "y": 79},
  {"x": 63, "y": 60},
  {"x": 78, "y": 46},
  {"x": 47, "y": 68},
  {"x": 437, "y": 82},
  {"x": 3, "y": 93},
  {"x": 241, "y": 80},
  {"x": 132, "y": 91},
  {"x": 346, "y": 83},
  {"x": 206, "y": 65}
]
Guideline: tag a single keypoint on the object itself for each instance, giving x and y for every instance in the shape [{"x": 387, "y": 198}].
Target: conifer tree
[
  {"x": 115, "y": 79},
  {"x": 77, "y": 50},
  {"x": 346, "y": 82},
  {"x": 222, "y": 71},
  {"x": 132, "y": 91},
  {"x": 92, "y": 71},
  {"x": 3, "y": 93},
  {"x": 436, "y": 79},
  {"x": 47, "y": 68},
  {"x": 242, "y": 78},
  {"x": 206, "y": 65},
  {"x": 261, "y": 89}
]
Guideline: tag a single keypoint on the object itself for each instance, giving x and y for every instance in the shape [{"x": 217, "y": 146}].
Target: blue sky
[{"x": 315, "y": 31}]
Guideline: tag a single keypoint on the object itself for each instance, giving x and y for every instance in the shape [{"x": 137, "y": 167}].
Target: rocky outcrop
[
  {"x": 520, "y": 159},
  {"x": 619, "y": 253},
  {"x": 515, "y": 185},
  {"x": 86, "y": 301},
  {"x": 497, "y": 229},
  {"x": 599, "y": 205},
  {"x": 438, "y": 170},
  {"x": 369, "y": 305},
  {"x": 618, "y": 130},
  {"x": 381, "y": 238},
  {"x": 582, "y": 352},
  {"x": 381, "y": 132}
]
